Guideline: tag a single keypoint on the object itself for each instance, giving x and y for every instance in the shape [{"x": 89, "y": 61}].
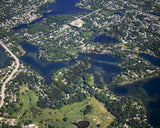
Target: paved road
[
  {"x": 10, "y": 76},
  {"x": 90, "y": 13}
]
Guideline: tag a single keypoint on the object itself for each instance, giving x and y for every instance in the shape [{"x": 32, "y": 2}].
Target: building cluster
[{"x": 19, "y": 13}]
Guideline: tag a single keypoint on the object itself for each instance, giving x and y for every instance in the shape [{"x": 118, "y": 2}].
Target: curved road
[{"x": 10, "y": 76}]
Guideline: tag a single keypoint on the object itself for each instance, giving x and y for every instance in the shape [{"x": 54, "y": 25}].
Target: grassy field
[
  {"x": 29, "y": 99},
  {"x": 91, "y": 82},
  {"x": 73, "y": 112},
  {"x": 51, "y": 1}
]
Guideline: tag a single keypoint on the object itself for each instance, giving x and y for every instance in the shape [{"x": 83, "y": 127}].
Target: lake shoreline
[
  {"x": 138, "y": 80},
  {"x": 148, "y": 91}
]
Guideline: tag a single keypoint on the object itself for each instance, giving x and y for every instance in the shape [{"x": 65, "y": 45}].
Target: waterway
[
  {"x": 4, "y": 59},
  {"x": 101, "y": 65},
  {"x": 104, "y": 66},
  {"x": 147, "y": 90},
  {"x": 154, "y": 60},
  {"x": 60, "y": 7},
  {"x": 104, "y": 38},
  {"x": 45, "y": 69}
]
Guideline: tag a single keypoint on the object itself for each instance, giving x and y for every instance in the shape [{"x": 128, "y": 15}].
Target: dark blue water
[
  {"x": 101, "y": 65},
  {"x": 4, "y": 60},
  {"x": 105, "y": 66},
  {"x": 149, "y": 92},
  {"x": 46, "y": 69},
  {"x": 60, "y": 7},
  {"x": 154, "y": 60},
  {"x": 29, "y": 48},
  {"x": 152, "y": 89},
  {"x": 104, "y": 38},
  {"x": 119, "y": 13},
  {"x": 65, "y": 7}
]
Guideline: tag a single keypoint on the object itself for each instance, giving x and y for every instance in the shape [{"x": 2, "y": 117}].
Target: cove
[
  {"x": 60, "y": 7},
  {"x": 4, "y": 59},
  {"x": 149, "y": 92},
  {"x": 103, "y": 38},
  {"x": 105, "y": 66},
  {"x": 45, "y": 69},
  {"x": 153, "y": 60}
]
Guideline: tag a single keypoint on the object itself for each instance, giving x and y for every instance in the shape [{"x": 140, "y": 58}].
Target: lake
[
  {"x": 146, "y": 90},
  {"x": 45, "y": 69},
  {"x": 4, "y": 59},
  {"x": 60, "y": 7},
  {"x": 149, "y": 92},
  {"x": 105, "y": 66},
  {"x": 153, "y": 60},
  {"x": 101, "y": 65},
  {"x": 104, "y": 38}
]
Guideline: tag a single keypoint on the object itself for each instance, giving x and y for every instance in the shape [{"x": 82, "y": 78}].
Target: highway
[{"x": 10, "y": 76}]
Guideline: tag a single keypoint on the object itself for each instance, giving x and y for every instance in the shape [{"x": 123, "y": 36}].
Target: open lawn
[
  {"x": 64, "y": 117},
  {"x": 91, "y": 82},
  {"x": 28, "y": 99},
  {"x": 73, "y": 112}
]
